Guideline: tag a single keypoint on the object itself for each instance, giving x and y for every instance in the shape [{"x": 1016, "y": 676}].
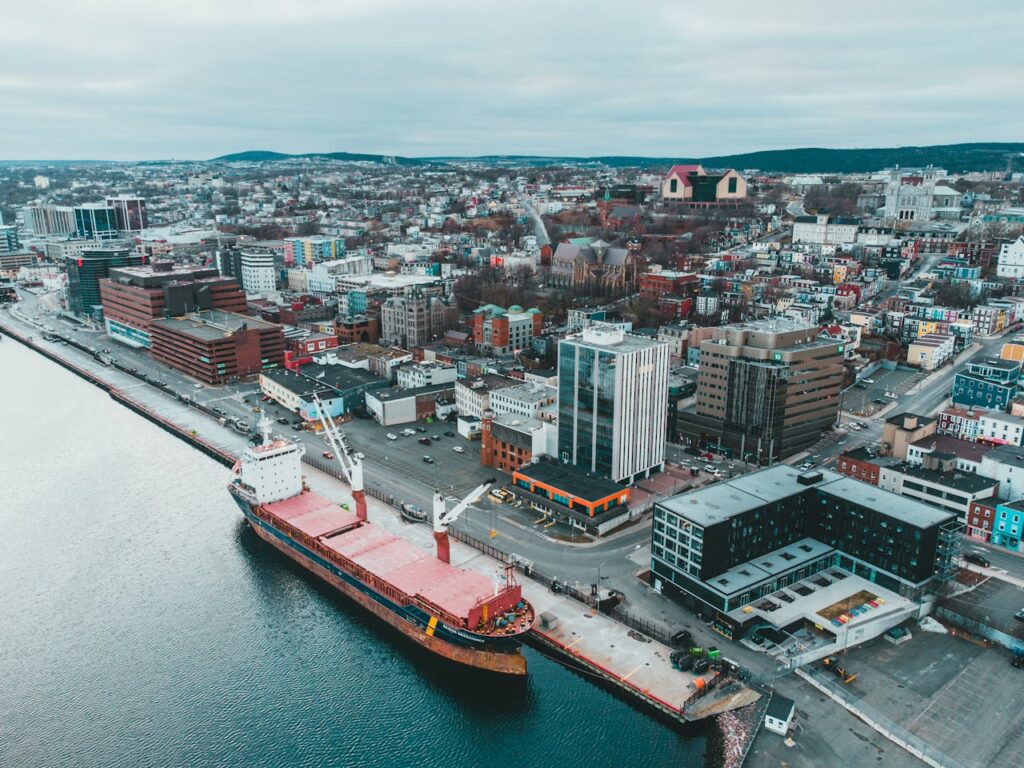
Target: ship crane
[
  {"x": 443, "y": 518},
  {"x": 351, "y": 465}
]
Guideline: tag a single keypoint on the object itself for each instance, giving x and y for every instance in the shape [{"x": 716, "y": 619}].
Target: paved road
[{"x": 538, "y": 223}]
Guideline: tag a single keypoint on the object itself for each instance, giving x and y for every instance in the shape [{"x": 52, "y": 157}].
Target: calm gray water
[{"x": 141, "y": 624}]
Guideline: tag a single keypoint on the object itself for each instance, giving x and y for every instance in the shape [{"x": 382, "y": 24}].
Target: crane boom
[
  {"x": 350, "y": 463},
  {"x": 443, "y": 518}
]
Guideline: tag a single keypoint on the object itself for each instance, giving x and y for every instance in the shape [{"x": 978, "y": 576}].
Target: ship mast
[
  {"x": 351, "y": 465},
  {"x": 442, "y": 518}
]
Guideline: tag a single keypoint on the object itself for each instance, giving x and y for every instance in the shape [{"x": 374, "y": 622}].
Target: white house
[
  {"x": 1011, "y": 259},
  {"x": 1001, "y": 428},
  {"x": 823, "y": 229},
  {"x": 425, "y": 375},
  {"x": 779, "y": 715}
]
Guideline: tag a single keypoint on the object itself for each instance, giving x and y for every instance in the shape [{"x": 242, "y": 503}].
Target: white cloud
[{"x": 196, "y": 78}]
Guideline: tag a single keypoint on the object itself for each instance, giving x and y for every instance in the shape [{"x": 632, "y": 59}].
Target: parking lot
[
  {"x": 875, "y": 392},
  {"x": 993, "y": 603},
  {"x": 946, "y": 691}
]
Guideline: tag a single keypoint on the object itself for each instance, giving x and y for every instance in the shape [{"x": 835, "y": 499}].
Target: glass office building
[{"x": 612, "y": 403}]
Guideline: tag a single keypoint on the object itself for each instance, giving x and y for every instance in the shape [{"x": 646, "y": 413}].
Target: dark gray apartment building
[
  {"x": 765, "y": 389},
  {"x": 731, "y": 543}
]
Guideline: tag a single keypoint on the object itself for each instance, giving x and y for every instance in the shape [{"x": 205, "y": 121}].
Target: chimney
[
  {"x": 910, "y": 421},
  {"x": 486, "y": 454}
]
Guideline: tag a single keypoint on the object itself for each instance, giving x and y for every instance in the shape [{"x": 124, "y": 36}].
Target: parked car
[
  {"x": 459, "y": 449},
  {"x": 328, "y": 455},
  {"x": 428, "y": 459},
  {"x": 868, "y": 381},
  {"x": 391, "y": 436},
  {"x": 449, "y": 433},
  {"x": 682, "y": 639},
  {"x": 1019, "y": 615},
  {"x": 360, "y": 455},
  {"x": 709, "y": 468},
  {"x": 424, "y": 441},
  {"x": 975, "y": 559},
  {"x": 282, "y": 420},
  {"x": 421, "y": 429}
]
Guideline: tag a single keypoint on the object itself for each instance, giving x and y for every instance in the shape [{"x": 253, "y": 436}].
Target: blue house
[
  {"x": 989, "y": 384},
  {"x": 1006, "y": 526}
]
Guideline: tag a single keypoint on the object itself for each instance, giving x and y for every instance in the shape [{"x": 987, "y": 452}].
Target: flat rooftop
[
  {"x": 212, "y": 324},
  {"x": 604, "y": 338},
  {"x": 740, "y": 578},
  {"x": 962, "y": 449},
  {"x": 158, "y": 273},
  {"x": 809, "y": 607},
  {"x": 398, "y": 393},
  {"x": 529, "y": 393},
  {"x": 388, "y": 281},
  {"x": 568, "y": 478},
  {"x": 780, "y": 481},
  {"x": 339, "y": 377},
  {"x": 718, "y": 502},
  {"x": 915, "y": 513}
]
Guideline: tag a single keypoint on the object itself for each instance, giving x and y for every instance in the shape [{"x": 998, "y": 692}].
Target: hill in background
[{"x": 953, "y": 157}]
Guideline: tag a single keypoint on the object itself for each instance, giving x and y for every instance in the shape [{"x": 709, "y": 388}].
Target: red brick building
[
  {"x": 356, "y": 329},
  {"x": 674, "y": 309},
  {"x": 509, "y": 442},
  {"x": 654, "y": 285},
  {"x": 859, "y": 465},
  {"x": 299, "y": 351},
  {"x": 501, "y": 330},
  {"x": 215, "y": 346},
  {"x": 979, "y": 519},
  {"x": 133, "y": 297}
]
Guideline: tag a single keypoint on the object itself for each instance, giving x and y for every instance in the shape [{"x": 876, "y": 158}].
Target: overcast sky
[{"x": 152, "y": 79}]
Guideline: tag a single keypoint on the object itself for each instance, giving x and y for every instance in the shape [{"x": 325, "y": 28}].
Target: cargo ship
[{"x": 457, "y": 614}]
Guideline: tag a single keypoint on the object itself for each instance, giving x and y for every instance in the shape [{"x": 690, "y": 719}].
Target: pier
[{"x": 626, "y": 661}]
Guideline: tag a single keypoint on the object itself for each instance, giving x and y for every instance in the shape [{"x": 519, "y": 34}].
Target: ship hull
[{"x": 415, "y": 624}]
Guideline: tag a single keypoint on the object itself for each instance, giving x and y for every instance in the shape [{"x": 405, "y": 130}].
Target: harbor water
[{"x": 142, "y": 624}]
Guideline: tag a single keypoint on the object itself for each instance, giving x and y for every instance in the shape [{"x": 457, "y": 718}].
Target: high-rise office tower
[
  {"x": 129, "y": 212},
  {"x": 259, "y": 274},
  {"x": 9, "y": 242},
  {"x": 85, "y": 272},
  {"x": 95, "y": 221},
  {"x": 612, "y": 402}
]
